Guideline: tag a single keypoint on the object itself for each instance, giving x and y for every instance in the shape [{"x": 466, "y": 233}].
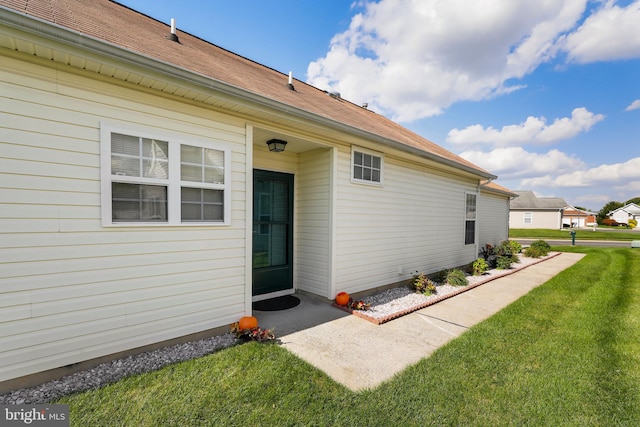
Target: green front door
[{"x": 272, "y": 232}]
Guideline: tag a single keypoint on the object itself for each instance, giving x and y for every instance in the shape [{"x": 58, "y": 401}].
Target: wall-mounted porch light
[{"x": 276, "y": 145}]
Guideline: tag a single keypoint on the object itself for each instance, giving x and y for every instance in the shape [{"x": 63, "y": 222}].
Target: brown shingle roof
[
  {"x": 495, "y": 187},
  {"x": 570, "y": 211},
  {"x": 126, "y": 28}
]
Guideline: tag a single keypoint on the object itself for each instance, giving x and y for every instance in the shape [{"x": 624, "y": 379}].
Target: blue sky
[{"x": 544, "y": 94}]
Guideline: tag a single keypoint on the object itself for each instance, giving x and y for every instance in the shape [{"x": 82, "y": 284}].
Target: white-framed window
[
  {"x": 470, "y": 218},
  {"x": 366, "y": 166},
  {"x": 155, "y": 178},
  {"x": 528, "y": 217}
]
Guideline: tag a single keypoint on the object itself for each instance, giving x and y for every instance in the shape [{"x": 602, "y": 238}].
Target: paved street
[
  {"x": 567, "y": 242},
  {"x": 634, "y": 234}
]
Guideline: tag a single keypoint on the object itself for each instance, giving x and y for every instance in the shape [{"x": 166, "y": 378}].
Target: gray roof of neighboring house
[{"x": 528, "y": 200}]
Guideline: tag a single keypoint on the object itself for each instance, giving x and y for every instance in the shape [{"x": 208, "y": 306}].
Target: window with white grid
[
  {"x": 159, "y": 179},
  {"x": 366, "y": 166}
]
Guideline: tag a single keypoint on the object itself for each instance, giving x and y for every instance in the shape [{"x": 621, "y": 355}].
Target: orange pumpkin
[
  {"x": 247, "y": 322},
  {"x": 342, "y": 298}
]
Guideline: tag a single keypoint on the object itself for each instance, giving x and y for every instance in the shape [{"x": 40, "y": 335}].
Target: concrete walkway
[{"x": 360, "y": 354}]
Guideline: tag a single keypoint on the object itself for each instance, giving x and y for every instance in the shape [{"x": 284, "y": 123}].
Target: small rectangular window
[
  {"x": 366, "y": 166},
  {"x": 470, "y": 219},
  {"x": 528, "y": 217}
]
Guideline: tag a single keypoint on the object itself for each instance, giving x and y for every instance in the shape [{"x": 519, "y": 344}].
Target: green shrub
[
  {"x": 440, "y": 276},
  {"x": 516, "y": 247},
  {"x": 633, "y": 223},
  {"x": 508, "y": 250},
  {"x": 503, "y": 263},
  {"x": 456, "y": 277},
  {"x": 479, "y": 266},
  {"x": 532, "y": 252},
  {"x": 504, "y": 249},
  {"x": 423, "y": 285},
  {"x": 542, "y": 246},
  {"x": 489, "y": 255},
  {"x": 537, "y": 249}
]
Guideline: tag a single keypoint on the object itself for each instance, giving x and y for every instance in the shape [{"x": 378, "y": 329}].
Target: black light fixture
[{"x": 276, "y": 145}]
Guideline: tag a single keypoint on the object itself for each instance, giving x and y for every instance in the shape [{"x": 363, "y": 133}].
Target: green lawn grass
[
  {"x": 536, "y": 233},
  {"x": 567, "y": 353}
]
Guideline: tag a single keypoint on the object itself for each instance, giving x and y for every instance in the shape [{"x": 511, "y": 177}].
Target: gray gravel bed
[
  {"x": 396, "y": 300},
  {"x": 401, "y": 299},
  {"x": 116, "y": 370}
]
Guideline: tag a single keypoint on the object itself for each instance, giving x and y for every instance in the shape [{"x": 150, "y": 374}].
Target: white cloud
[
  {"x": 516, "y": 163},
  {"x": 633, "y": 106},
  {"x": 534, "y": 130},
  {"x": 561, "y": 175},
  {"x": 411, "y": 59},
  {"x": 633, "y": 187},
  {"x": 591, "y": 201},
  {"x": 610, "y": 33},
  {"x": 625, "y": 175}
]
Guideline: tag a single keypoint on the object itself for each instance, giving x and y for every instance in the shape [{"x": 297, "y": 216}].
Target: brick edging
[{"x": 379, "y": 321}]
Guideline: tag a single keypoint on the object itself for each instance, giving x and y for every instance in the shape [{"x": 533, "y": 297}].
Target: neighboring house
[
  {"x": 529, "y": 211},
  {"x": 574, "y": 217},
  {"x": 139, "y": 203},
  {"x": 625, "y": 213}
]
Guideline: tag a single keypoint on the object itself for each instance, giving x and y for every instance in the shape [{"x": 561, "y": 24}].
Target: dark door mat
[{"x": 274, "y": 304}]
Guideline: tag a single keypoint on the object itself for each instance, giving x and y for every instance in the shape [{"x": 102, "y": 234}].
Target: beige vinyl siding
[
  {"x": 285, "y": 162},
  {"x": 313, "y": 232},
  {"x": 493, "y": 215},
  {"x": 414, "y": 222},
  {"x": 71, "y": 290},
  {"x": 539, "y": 219},
  {"x": 311, "y": 243}
]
